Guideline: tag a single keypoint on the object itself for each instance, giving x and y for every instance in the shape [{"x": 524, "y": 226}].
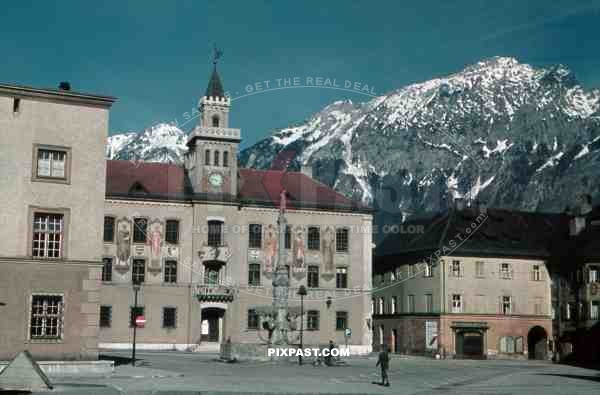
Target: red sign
[{"x": 140, "y": 320}]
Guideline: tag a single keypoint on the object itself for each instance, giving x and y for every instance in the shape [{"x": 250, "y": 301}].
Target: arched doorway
[
  {"x": 396, "y": 341},
  {"x": 537, "y": 343},
  {"x": 212, "y": 324}
]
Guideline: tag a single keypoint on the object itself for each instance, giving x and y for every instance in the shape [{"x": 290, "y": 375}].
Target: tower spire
[{"x": 215, "y": 87}]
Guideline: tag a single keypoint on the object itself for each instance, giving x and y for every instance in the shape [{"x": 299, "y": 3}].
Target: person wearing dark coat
[{"x": 384, "y": 362}]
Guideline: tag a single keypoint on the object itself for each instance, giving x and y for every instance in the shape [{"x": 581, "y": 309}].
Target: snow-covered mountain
[
  {"x": 500, "y": 131},
  {"x": 159, "y": 143}
]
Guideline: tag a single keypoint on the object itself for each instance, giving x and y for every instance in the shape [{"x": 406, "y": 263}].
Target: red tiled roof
[
  {"x": 259, "y": 186},
  {"x": 155, "y": 178}
]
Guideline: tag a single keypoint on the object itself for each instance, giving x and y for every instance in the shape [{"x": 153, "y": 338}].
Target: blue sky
[{"x": 155, "y": 56}]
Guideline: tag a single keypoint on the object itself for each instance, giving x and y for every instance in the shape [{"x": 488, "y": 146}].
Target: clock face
[{"x": 215, "y": 179}]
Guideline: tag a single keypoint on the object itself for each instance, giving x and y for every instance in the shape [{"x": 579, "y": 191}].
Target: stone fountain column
[{"x": 281, "y": 282}]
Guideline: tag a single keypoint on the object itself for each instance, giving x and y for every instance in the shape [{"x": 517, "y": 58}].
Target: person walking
[
  {"x": 384, "y": 362},
  {"x": 329, "y": 358}
]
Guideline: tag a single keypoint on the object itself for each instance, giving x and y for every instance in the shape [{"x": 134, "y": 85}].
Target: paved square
[{"x": 175, "y": 372}]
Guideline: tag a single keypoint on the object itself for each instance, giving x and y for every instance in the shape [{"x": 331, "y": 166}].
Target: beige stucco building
[
  {"x": 52, "y": 187},
  {"x": 473, "y": 283},
  {"x": 202, "y": 240}
]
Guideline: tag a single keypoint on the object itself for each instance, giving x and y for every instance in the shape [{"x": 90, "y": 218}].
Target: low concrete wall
[
  {"x": 250, "y": 351},
  {"x": 148, "y": 346},
  {"x": 72, "y": 368}
]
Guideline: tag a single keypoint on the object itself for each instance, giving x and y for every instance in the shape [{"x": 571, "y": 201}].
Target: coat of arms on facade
[
  {"x": 154, "y": 241},
  {"x": 123, "y": 245}
]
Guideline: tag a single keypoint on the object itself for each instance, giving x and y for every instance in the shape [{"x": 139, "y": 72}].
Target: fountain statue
[{"x": 279, "y": 320}]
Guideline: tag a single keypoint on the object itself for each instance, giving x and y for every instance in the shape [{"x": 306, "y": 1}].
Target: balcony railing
[{"x": 214, "y": 293}]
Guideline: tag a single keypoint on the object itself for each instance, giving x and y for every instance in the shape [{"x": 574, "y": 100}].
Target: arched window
[
  {"x": 225, "y": 158},
  {"x": 216, "y": 154},
  {"x": 207, "y": 157},
  {"x": 215, "y": 121}
]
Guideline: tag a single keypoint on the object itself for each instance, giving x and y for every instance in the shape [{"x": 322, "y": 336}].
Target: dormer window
[
  {"x": 215, "y": 121},
  {"x": 216, "y": 158},
  {"x": 137, "y": 188},
  {"x": 207, "y": 157}
]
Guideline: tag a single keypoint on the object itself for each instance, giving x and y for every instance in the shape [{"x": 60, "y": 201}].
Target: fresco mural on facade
[
  {"x": 270, "y": 249},
  {"x": 154, "y": 240},
  {"x": 123, "y": 245},
  {"x": 298, "y": 262},
  {"x": 328, "y": 252}
]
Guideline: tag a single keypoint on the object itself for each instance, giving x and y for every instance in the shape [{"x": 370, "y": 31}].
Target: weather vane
[{"x": 217, "y": 54}]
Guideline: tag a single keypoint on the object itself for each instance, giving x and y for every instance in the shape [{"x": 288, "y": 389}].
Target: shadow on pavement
[{"x": 573, "y": 376}]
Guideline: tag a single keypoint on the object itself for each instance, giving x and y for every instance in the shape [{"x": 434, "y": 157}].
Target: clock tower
[{"x": 211, "y": 160}]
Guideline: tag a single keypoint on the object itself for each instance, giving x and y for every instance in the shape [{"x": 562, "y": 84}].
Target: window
[
  {"x": 506, "y": 305},
  {"x": 341, "y": 320},
  {"x": 46, "y": 317},
  {"x": 51, "y": 163},
  {"x": 254, "y": 274},
  {"x": 393, "y": 305},
  {"x": 107, "y": 269},
  {"x": 569, "y": 311},
  {"x": 312, "y": 320},
  {"x": 457, "y": 304},
  {"x": 211, "y": 276},
  {"x": 595, "y": 310},
  {"x": 505, "y": 271},
  {"x": 428, "y": 303},
  {"x": 410, "y": 304},
  {"x": 288, "y": 237},
  {"x": 47, "y": 235},
  {"x": 255, "y": 236},
  {"x": 341, "y": 277},
  {"x": 172, "y": 231},
  {"x": 511, "y": 345},
  {"x": 169, "y": 317},
  {"x": 216, "y": 158},
  {"x": 215, "y": 121},
  {"x": 207, "y": 157},
  {"x": 225, "y": 158},
  {"x": 252, "y": 319},
  {"x": 109, "y": 229},
  {"x": 314, "y": 238},
  {"x": 456, "y": 269},
  {"x": 479, "y": 269},
  {"x": 16, "y": 105},
  {"x": 138, "y": 271},
  {"x": 133, "y": 313},
  {"x": 105, "y": 316},
  {"x": 170, "y": 271},
  {"x": 341, "y": 240},
  {"x": 537, "y": 306},
  {"x": 593, "y": 274},
  {"x": 215, "y": 233},
  {"x": 313, "y": 277},
  {"x": 140, "y": 226},
  {"x": 428, "y": 270}
]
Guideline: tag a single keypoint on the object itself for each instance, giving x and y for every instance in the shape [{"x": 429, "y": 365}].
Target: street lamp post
[
  {"x": 136, "y": 289},
  {"x": 302, "y": 292}
]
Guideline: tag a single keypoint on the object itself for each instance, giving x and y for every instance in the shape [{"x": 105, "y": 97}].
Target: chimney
[
  {"x": 64, "y": 86},
  {"x": 459, "y": 204},
  {"x": 481, "y": 207},
  {"x": 307, "y": 170},
  {"x": 576, "y": 225}
]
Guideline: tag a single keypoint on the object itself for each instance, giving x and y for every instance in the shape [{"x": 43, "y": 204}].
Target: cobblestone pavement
[{"x": 175, "y": 372}]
